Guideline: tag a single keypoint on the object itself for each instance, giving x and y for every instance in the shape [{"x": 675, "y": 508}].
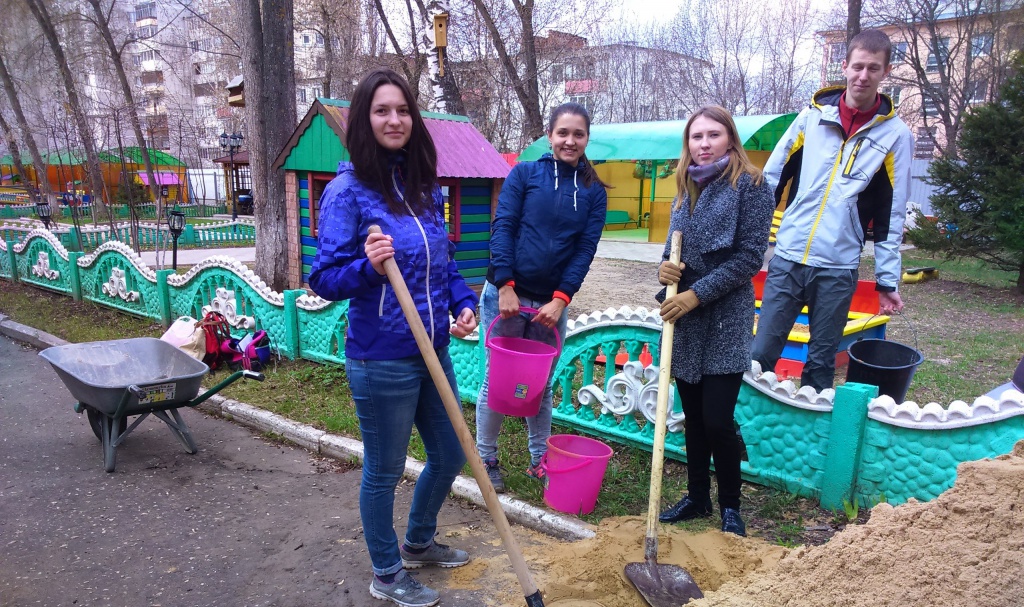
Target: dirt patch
[{"x": 613, "y": 283}]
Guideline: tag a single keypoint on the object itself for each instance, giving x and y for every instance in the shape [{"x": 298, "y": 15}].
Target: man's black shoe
[
  {"x": 685, "y": 510},
  {"x": 732, "y": 522}
]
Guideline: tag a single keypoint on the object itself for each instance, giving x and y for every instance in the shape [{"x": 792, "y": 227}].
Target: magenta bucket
[
  {"x": 518, "y": 372},
  {"x": 575, "y": 467}
]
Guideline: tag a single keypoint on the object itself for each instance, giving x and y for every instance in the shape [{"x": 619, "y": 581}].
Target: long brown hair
[
  {"x": 739, "y": 162},
  {"x": 371, "y": 160}
]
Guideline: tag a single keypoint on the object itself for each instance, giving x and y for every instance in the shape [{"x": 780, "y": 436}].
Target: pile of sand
[{"x": 966, "y": 547}]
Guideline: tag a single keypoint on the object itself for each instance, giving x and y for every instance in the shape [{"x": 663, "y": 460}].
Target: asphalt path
[{"x": 244, "y": 522}]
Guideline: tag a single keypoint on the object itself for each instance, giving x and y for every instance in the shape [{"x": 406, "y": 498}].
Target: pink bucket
[
  {"x": 575, "y": 466},
  {"x": 518, "y": 372}
]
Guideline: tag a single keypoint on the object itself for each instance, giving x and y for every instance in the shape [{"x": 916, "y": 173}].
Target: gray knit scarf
[{"x": 704, "y": 174}]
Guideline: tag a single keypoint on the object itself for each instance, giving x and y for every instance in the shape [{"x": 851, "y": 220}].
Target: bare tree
[
  {"x": 268, "y": 67},
  {"x": 949, "y": 55},
  {"x": 101, "y": 21},
  {"x": 853, "y": 10},
  {"x": 12, "y": 145},
  {"x": 30, "y": 143},
  {"x": 43, "y": 18}
]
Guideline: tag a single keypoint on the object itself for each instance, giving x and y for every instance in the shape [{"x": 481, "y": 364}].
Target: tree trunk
[
  {"x": 268, "y": 63},
  {"x": 852, "y": 19},
  {"x": 12, "y": 143},
  {"x": 133, "y": 116},
  {"x": 19, "y": 115},
  {"x": 92, "y": 158},
  {"x": 1020, "y": 279},
  {"x": 525, "y": 87}
]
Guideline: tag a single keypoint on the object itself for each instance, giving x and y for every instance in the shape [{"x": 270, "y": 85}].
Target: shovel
[
  {"x": 454, "y": 410},
  {"x": 662, "y": 585}
]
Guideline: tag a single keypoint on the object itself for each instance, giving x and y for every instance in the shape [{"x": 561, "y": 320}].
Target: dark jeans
[
  {"x": 391, "y": 396},
  {"x": 827, "y": 293},
  {"x": 709, "y": 407}
]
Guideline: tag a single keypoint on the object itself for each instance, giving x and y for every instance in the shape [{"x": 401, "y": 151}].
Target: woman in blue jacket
[
  {"x": 391, "y": 182},
  {"x": 544, "y": 235}
]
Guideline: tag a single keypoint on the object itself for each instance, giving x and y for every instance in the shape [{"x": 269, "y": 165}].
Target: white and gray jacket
[{"x": 841, "y": 185}]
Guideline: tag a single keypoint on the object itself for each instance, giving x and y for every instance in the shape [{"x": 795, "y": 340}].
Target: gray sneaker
[
  {"x": 437, "y": 554},
  {"x": 404, "y": 591},
  {"x": 494, "y": 474}
]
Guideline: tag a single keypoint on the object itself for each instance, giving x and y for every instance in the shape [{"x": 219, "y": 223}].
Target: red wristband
[
  {"x": 562, "y": 296},
  {"x": 510, "y": 283}
]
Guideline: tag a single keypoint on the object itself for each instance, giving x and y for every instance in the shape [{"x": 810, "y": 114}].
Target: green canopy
[{"x": 663, "y": 140}]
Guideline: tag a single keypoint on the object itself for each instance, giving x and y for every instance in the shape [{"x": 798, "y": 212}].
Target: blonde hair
[{"x": 739, "y": 162}]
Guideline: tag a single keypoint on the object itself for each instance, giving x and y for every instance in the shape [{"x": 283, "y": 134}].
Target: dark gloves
[
  {"x": 677, "y": 306},
  {"x": 669, "y": 273}
]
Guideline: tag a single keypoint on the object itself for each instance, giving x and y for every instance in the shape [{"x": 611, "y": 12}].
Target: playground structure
[
  {"x": 640, "y": 157},
  {"x": 67, "y": 173},
  {"x": 470, "y": 172}
]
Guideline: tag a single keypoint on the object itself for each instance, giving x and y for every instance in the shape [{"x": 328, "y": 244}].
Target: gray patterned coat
[{"x": 724, "y": 241}]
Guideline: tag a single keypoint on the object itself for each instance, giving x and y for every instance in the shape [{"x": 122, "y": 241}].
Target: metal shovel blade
[{"x": 663, "y": 585}]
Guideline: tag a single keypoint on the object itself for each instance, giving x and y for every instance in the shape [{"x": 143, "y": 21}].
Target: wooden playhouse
[{"x": 470, "y": 172}]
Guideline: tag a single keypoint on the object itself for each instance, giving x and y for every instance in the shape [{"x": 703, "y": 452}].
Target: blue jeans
[
  {"x": 827, "y": 293},
  {"x": 391, "y": 396},
  {"x": 488, "y": 422}
]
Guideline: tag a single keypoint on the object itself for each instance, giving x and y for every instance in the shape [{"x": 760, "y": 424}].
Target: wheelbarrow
[{"x": 113, "y": 380}]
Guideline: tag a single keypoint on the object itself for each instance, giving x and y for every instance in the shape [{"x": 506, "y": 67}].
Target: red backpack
[{"x": 217, "y": 332}]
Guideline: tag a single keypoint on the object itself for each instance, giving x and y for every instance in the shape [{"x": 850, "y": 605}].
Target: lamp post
[
  {"x": 231, "y": 144},
  {"x": 44, "y": 211},
  {"x": 176, "y": 223}
]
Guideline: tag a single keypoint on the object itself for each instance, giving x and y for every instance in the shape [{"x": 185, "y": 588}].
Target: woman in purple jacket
[{"x": 391, "y": 182}]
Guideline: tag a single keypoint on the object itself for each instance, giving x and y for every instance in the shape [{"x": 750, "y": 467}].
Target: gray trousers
[{"x": 827, "y": 293}]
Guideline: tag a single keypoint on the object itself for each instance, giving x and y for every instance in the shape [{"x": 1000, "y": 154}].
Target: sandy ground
[{"x": 965, "y": 547}]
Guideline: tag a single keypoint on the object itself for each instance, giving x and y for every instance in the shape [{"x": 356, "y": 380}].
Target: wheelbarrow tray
[{"x": 99, "y": 373}]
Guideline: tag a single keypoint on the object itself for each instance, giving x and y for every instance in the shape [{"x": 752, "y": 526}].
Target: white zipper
[
  {"x": 426, "y": 245},
  {"x": 383, "y": 293}
]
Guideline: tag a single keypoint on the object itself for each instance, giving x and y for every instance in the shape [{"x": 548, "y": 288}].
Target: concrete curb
[
  {"x": 341, "y": 447},
  {"x": 344, "y": 448},
  {"x": 28, "y": 335}
]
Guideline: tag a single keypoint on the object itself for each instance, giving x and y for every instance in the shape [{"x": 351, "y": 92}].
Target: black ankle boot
[
  {"x": 685, "y": 510},
  {"x": 732, "y": 522}
]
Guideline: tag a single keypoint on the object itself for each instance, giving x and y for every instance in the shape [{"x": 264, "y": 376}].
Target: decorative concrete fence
[
  {"x": 837, "y": 445},
  {"x": 241, "y": 232},
  {"x": 117, "y": 211}
]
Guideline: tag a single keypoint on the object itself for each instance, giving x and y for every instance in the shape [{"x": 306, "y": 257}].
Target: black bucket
[{"x": 887, "y": 364}]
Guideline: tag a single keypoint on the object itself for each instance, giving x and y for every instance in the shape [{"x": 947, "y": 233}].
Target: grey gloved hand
[
  {"x": 679, "y": 305},
  {"x": 669, "y": 273}
]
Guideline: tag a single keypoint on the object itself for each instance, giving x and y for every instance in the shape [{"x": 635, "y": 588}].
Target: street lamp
[
  {"x": 231, "y": 144},
  {"x": 43, "y": 210},
  {"x": 176, "y": 223}
]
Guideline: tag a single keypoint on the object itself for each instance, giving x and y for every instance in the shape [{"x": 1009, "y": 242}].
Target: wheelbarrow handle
[{"x": 253, "y": 375}]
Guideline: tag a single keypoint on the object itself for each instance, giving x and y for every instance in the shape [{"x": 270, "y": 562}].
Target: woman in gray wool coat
[{"x": 724, "y": 212}]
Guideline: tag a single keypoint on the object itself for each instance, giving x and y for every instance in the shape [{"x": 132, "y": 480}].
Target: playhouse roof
[
  {"x": 662, "y": 140},
  {"x": 461, "y": 150}
]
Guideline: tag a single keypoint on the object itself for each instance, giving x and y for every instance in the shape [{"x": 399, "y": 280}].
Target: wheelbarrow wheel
[{"x": 95, "y": 418}]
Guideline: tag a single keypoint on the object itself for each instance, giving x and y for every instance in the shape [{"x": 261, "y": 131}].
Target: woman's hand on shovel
[{"x": 378, "y": 248}]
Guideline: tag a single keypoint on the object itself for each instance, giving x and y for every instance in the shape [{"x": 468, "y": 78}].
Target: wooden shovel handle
[
  {"x": 454, "y": 410},
  {"x": 661, "y": 415}
]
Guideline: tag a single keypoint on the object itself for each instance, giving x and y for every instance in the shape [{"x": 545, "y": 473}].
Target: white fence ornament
[
  {"x": 116, "y": 286},
  {"x": 224, "y": 303},
  {"x": 42, "y": 267}
]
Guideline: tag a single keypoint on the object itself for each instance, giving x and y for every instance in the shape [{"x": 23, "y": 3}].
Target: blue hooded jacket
[
  {"x": 377, "y": 329},
  {"x": 546, "y": 228}
]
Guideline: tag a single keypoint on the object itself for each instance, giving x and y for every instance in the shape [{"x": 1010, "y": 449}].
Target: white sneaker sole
[
  {"x": 443, "y": 565},
  {"x": 383, "y": 597}
]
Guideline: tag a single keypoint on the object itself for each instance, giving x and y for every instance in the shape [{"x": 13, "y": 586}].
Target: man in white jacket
[{"x": 847, "y": 157}]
